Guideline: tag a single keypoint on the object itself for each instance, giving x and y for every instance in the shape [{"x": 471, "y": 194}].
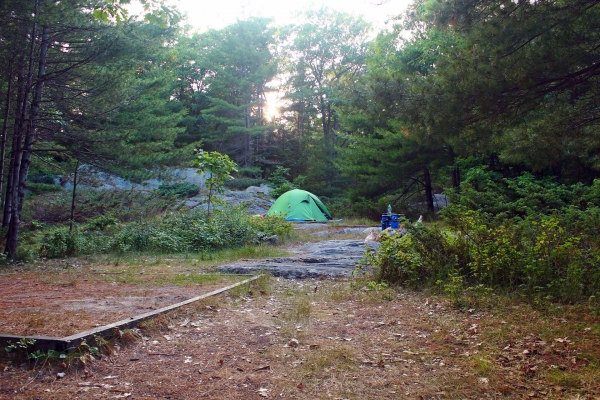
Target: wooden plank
[
  {"x": 70, "y": 343},
  {"x": 43, "y": 343}
]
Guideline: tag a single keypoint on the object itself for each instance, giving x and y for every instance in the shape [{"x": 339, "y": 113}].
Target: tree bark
[
  {"x": 23, "y": 88},
  {"x": 428, "y": 189},
  {"x": 73, "y": 196},
  {"x": 456, "y": 177},
  {"x": 25, "y": 155},
  {"x": 210, "y": 189},
  {"x": 5, "y": 127}
]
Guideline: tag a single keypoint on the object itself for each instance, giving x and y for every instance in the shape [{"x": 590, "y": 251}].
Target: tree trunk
[
  {"x": 456, "y": 177},
  {"x": 248, "y": 157},
  {"x": 30, "y": 132},
  {"x": 4, "y": 128},
  {"x": 428, "y": 189},
  {"x": 23, "y": 87},
  {"x": 210, "y": 188},
  {"x": 73, "y": 196}
]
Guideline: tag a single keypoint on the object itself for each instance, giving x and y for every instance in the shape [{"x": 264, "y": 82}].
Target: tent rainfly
[{"x": 300, "y": 205}]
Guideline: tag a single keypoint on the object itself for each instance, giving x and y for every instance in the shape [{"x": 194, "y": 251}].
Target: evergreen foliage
[
  {"x": 223, "y": 86},
  {"x": 72, "y": 90}
]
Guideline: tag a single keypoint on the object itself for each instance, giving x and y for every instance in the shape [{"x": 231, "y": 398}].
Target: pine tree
[
  {"x": 325, "y": 52},
  {"x": 226, "y": 87},
  {"x": 64, "y": 89}
]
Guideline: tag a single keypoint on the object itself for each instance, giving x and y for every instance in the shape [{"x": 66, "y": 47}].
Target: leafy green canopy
[
  {"x": 325, "y": 53},
  {"x": 223, "y": 77},
  {"x": 518, "y": 79}
]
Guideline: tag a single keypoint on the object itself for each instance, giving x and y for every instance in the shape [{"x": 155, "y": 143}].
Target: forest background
[{"x": 493, "y": 103}]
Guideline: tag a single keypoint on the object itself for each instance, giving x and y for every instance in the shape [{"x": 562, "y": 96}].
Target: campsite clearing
[
  {"x": 317, "y": 339},
  {"x": 64, "y": 304}
]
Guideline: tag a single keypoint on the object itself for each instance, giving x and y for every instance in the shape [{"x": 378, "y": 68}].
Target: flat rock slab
[
  {"x": 329, "y": 258},
  {"x": 345, "y": 231}
]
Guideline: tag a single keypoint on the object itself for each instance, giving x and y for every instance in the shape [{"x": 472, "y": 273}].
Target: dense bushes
[
  {"x": 170, "y": 233},
  {"x": 270, "y": 225},
  {"x": 532, "y": 236}
]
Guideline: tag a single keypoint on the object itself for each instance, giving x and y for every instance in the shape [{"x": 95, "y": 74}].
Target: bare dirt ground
[
  {"x": 327, "y": 339},
  {"x": 62, "y": 304},
  {"x": 291, "y": 339}
]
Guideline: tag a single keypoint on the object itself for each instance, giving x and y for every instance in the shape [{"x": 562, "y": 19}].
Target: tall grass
[{"x": 169, "y": 233}]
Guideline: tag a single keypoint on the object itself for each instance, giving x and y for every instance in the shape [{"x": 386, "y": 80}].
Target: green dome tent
[{"x": 300, "y": 205}]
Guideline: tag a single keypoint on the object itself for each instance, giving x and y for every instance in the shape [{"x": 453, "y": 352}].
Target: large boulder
[{"x": 264, "y": 189}]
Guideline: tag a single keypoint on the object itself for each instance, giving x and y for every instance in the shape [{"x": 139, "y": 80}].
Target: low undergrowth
[
  {"x": 372, "y": 340},
  {"x": 124, "y": 205},
  {"x": 175, "y": 232},
  {"x": 534, "y": 238},
  {"x": 343, "y": 339}
]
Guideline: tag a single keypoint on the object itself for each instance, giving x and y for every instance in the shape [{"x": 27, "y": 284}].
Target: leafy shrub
[
  {"x": 285, "y": 187},
  {"x": 61, "y": 243},
  {"x": 184, "y": 232},
  {"x": 541, "y": 258},
  {"x": 395, "y": 261},
  {"x": 179, "y": 190},
  {"x": 271, "y": 225},
  {"x": 280, "y": 183},
  {"x": 533, "y": 236},
  {"x": 419, "y": 258},
  {"x": 101, "y": 222}
]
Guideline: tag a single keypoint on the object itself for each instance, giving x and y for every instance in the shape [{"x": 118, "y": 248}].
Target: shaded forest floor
[
  {"x": 60, "y": 305},
  {"x": 330, "y": 339}
]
